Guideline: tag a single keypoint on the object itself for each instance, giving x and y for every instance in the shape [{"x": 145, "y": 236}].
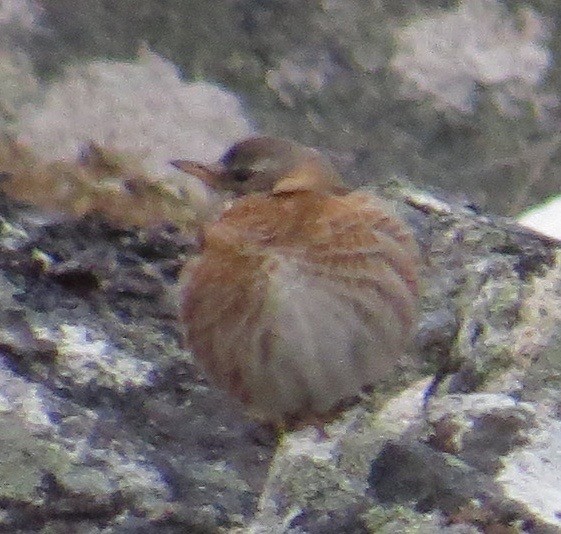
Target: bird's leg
[
  {"x": 322, "y": 434},
  {"x": 267, "y": 433}
]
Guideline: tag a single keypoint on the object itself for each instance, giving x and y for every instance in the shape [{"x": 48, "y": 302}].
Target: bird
[{"x": 305, "y": 293}]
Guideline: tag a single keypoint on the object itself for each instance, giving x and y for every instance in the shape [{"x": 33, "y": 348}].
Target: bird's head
[{"x": 270, "y": 165}]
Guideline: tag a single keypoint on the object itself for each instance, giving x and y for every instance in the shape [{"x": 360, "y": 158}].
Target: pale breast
[{"x": 300, "y": 301}]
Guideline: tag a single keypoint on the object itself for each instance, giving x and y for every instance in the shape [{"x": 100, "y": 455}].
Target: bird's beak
[{"x": 212, "y": 174}]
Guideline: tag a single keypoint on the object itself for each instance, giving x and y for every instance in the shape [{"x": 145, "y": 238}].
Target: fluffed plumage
[{"x": 304, "y": 293}]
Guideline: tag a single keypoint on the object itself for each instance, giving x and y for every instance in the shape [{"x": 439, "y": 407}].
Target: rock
[
  {"x": 142, "y": 107},
  {"x": 87, "y": 409}
]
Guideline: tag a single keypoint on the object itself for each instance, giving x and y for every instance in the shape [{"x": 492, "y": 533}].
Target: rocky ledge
[{"x": 108, "y": 427}]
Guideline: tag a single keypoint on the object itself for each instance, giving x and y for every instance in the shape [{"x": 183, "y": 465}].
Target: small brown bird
[{"x": 304, "y": 293}]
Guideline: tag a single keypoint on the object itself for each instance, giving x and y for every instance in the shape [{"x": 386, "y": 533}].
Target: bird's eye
[{"x": 241, "y": 175}]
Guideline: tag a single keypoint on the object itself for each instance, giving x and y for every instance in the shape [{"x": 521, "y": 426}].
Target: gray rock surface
[{"x": 107, "y": 426}]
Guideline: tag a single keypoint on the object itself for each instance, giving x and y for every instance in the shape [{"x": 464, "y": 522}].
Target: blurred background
[{"x": 461, "y": 95}]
